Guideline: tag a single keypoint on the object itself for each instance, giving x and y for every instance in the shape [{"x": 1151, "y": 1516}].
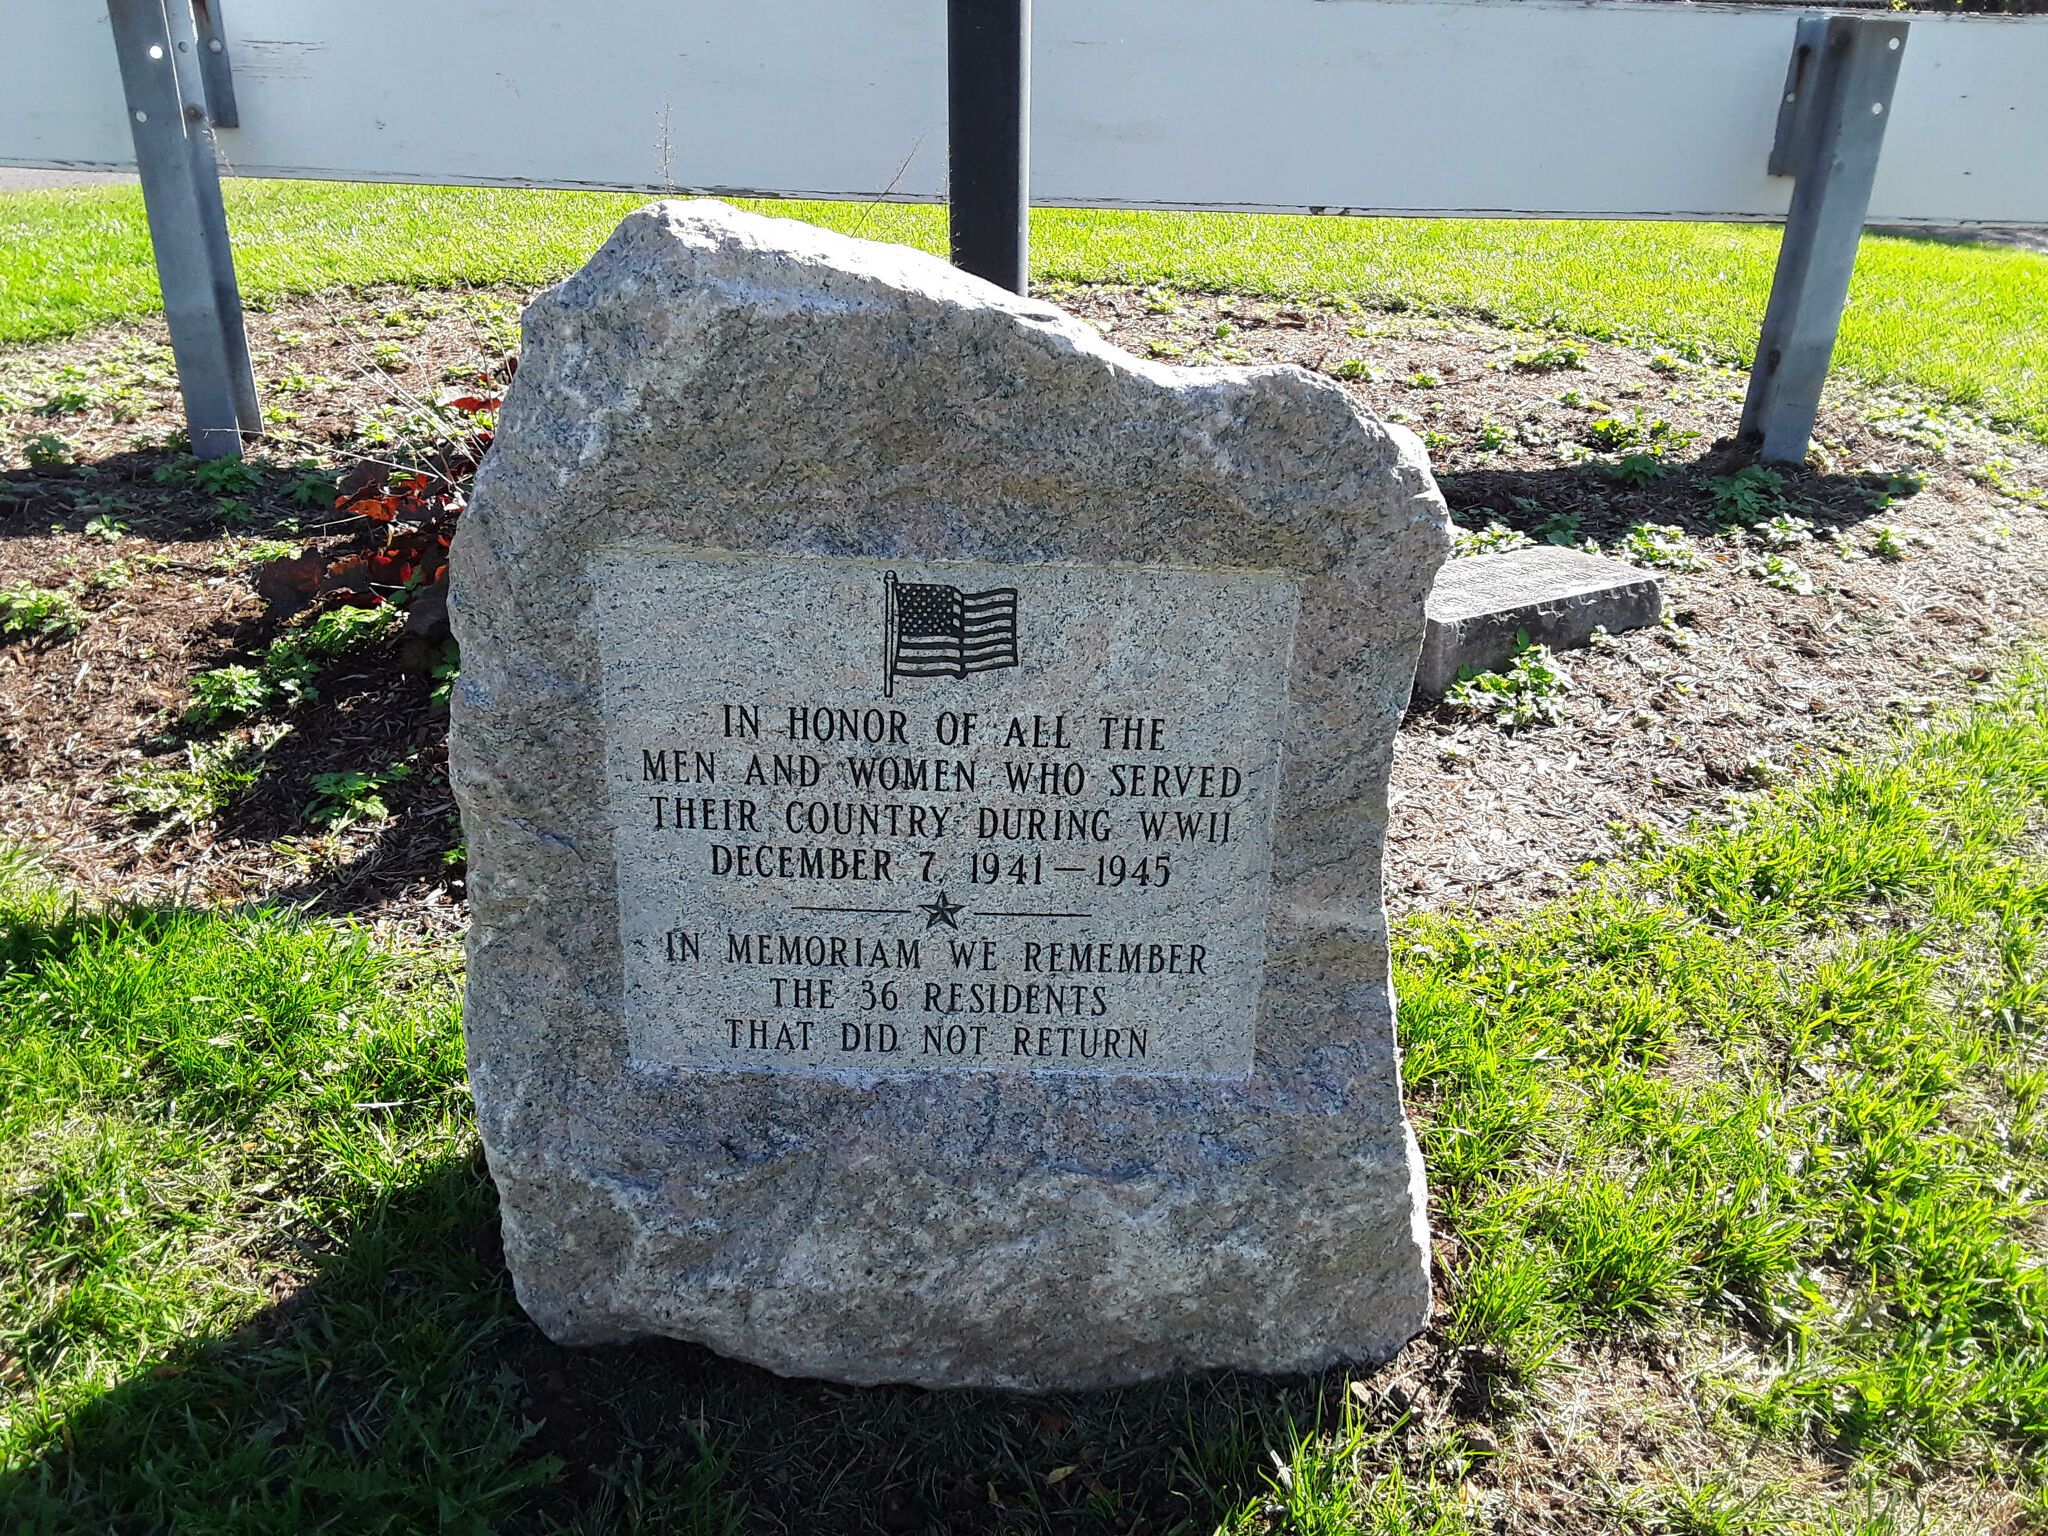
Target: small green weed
[
  {"x": 1492, "y": 437},
  {"x": 253, "y": 552},
  {"x": 105, "y": 528},
  {"x": 341, "y": 630},
  {"x": 114, "y": 576},
  {"x": 214, "y": 775},
  {"x": 343, "y": 799},
  {"x": 47, "y": 450},
  {"x": 226, "y": 477},
  {"x": 1553, "y": 358},
  {"x": 1632, "y": 469},
  {"x": 1783, "y": 531},
  {"x": 38, "y": 613},
  {"x": 1493, "y": 539},
  {"x": 1893, "y": 486},
  {"x": 1439, "y": 442},
  {"x": 2002, "y": 476},
  {"x": 1721, "y": 1507},
  {"x": 1890, "y": 542},
  {"x": 68, "y": 402},
  {"x": 1785, "y": 575},
  {"x": 1423, "y": 379},
  {"x": 312, "y": 487},
  {"x": 1358, "y": 370},
  {"x": 1749, "y": 495},
  {"x": 1611, "y": 434},
  {"x": 1614, "y": 433},
  {"x": 227, "y": 693},
  {"x": 446, "y": 673},
  {"x": 290, "y": 667},
  {"x": 1530, "y": 692},
  {"x": 1662, "y": 545}
]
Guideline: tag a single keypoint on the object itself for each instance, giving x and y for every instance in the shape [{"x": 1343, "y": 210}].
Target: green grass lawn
[
  {"x": 1776, "y": 1088},
  {"x": 1969, "y": 323}
]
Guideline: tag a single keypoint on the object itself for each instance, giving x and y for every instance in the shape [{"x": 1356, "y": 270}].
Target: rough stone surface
[
  {"x": 714, "y": 386},
  {"x": 1481, "y": 605}
]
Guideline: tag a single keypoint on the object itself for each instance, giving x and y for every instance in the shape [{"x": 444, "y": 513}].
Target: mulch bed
[{"x": 1659, "y": 729}]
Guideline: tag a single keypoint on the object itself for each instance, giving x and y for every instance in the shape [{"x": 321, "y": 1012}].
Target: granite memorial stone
[{"x": 924, "y": 773}]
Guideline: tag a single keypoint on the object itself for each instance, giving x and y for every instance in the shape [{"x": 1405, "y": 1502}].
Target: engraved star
[{"x": 940, "y": 911}]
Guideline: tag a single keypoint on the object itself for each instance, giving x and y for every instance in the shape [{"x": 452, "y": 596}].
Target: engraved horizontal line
[
  {"x": 979, "y": 913},
  {"x": 950, "y": 668},
  {"x": 871, "y": 911}
]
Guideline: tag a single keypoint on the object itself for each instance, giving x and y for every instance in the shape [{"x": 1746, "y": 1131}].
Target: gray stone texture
[
  {"x": 716, "y": 381},
  {"x": 1481, "y": 605}
]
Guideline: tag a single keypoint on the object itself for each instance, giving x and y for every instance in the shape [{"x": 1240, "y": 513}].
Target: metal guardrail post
[
  {"x": 988, "y": 113},
  {"x": 159, "y": 47},
  {"x": 215, "y": 77},
  {"x": 1831, "y": 121}
]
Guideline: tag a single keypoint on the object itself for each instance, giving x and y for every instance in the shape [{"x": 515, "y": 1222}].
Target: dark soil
[{"x": 1661, "y": 727}]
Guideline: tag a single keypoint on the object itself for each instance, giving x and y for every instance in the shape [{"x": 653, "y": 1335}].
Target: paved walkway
[{"x": 18, "y": 181}]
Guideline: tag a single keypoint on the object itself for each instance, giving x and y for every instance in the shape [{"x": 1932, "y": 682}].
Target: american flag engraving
[{"x": 935, "y": 631}]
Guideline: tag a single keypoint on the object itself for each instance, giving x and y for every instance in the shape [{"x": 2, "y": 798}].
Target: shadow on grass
[{"x": 404, "y": 1390}]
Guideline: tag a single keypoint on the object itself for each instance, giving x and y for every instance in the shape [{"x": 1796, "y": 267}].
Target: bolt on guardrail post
[
  {"x": 1831, "y": 121},
  {"x": 158, "y": 44},
  {"x": 988, "y": 106}
]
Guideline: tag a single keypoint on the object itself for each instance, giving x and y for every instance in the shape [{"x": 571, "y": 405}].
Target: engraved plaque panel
[{"x": 904, "y": 818}]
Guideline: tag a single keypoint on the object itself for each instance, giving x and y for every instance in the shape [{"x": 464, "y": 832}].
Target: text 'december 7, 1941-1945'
[{"x": 889, "y": 817}]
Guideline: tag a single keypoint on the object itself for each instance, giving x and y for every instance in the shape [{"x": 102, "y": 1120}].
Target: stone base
[{"x": 1481, "y": 605}]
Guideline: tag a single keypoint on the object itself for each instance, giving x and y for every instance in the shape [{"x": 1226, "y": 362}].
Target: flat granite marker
[
  {"x": 924, "y": 773},
  {"x": 1483, "y": 605}
]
